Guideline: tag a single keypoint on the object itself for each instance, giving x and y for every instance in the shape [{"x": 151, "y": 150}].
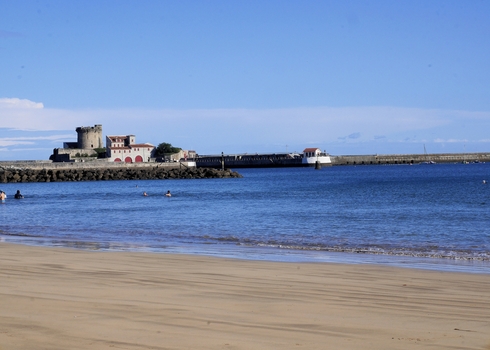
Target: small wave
[
  {"x": 416, "y": 252},
  {"x": 17, "y": 234},
  {"x": 463, "y": 256},
  {"x": 228, "y": 239}
]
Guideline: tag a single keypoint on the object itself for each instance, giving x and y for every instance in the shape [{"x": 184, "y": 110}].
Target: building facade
[{"x": 123, "y": 148}]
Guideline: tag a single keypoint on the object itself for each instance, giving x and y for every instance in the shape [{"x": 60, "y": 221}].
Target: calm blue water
[{"x": 427, "y": 216}]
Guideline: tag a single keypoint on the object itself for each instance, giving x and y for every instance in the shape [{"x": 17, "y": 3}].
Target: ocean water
[{"x": 426, "y": 216}]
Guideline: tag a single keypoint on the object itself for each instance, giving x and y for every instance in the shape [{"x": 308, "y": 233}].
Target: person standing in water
[
  {"x": 18, "y": 195},
  {"x": 168, "y": 194},
  {"x": 2, "y": 196}
]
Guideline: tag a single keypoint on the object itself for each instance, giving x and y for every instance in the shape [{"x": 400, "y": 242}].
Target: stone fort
[
  {"x": 89, "y": 138},
  {"x": 90, "y": 147}
]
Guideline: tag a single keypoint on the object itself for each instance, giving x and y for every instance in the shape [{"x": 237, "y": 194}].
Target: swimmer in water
[{"x": 168, "y": 194}]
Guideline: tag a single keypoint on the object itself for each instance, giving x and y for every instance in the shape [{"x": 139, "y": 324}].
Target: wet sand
[{"x": 72, "y": 299}]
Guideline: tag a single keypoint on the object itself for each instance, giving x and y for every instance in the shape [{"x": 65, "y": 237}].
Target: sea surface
[{"x": 422, "y": 216}]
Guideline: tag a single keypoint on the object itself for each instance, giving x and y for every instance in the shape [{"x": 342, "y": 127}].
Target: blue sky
[{"x": 350, "y": 77}]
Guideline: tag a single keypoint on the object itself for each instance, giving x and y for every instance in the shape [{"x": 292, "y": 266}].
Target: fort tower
[{"x": 90, "y": 137}]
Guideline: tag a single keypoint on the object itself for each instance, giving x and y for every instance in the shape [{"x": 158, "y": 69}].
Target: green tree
[
  {"x": 166, "y": 149},
  {"x": 101, "y": 152}
]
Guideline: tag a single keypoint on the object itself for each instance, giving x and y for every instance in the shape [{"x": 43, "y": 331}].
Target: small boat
[{"x": 428, "y": 161}]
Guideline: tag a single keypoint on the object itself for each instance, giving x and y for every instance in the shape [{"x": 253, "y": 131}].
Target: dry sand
[{"x": 72, "y": 299}]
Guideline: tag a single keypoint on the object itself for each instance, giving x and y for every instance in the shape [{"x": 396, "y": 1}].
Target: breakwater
[
  {"x": 383, "y": 159},
  {"x": 12, "y": 174},
  {"x": 283, "y": 160}
]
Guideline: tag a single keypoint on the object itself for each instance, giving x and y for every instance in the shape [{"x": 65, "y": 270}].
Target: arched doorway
[
  {"x": 117, "y": 159},
  {"x": 128, "y": 160},
  {"x": 138, "y": 159}
]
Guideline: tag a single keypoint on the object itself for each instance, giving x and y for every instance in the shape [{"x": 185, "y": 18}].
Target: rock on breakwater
[{"x": 12, "y": 175}]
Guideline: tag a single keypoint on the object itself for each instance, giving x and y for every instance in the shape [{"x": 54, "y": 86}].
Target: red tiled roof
[
  {"x": 311, "y": 149},
  {"x": 141, "y": 145}
]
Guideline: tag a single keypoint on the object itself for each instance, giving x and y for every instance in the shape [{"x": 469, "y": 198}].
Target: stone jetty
[
  {"x": 10, "y": 174},
  {"x": 387, "y": 159}
]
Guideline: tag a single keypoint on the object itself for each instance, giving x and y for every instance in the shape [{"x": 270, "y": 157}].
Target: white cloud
[
  {"x": 19, "y": 103},
  {"x": 451, "y": 140},
  {"x": 45, "y": 151},
  {"x": 37, "y": 138},
  {"x": 251, "y": 130},
  {"x": 6, "y": 143},
  {"x": 31, "y": 140},
  {"x": 331, "y": 122}
]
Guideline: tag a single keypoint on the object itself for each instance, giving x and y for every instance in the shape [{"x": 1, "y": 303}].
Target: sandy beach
[{"x": 73, "y": 299}]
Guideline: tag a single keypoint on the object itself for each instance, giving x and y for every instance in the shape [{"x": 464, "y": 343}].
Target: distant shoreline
[{"x": 374, "y": 159}]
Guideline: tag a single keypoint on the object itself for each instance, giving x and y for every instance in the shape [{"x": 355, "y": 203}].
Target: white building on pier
[{"x": 125, "y": 149}]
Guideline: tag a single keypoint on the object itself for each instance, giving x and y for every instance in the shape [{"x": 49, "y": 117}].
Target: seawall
[
  {"x": 410, "y": 158},
  {"x": 282, "y": 160}
]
